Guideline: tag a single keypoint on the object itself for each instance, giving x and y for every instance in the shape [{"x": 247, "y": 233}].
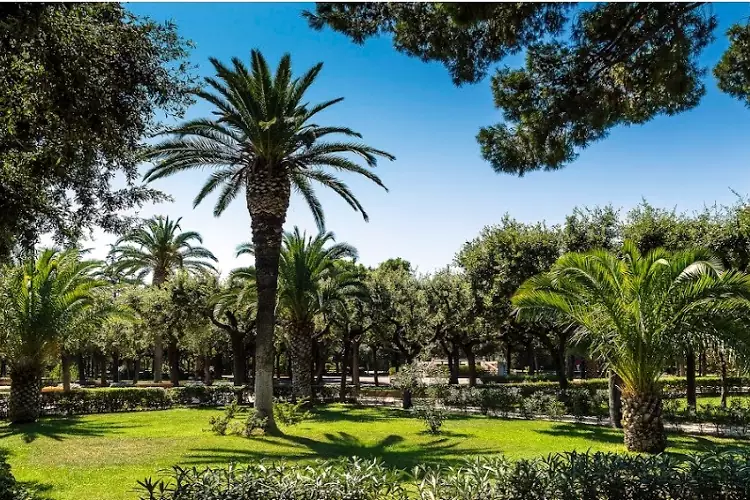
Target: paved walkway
[{"x": 705, "y": 429}]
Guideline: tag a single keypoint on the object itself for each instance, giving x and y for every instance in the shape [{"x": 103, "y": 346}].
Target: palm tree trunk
[
  {"x": 267, "y": 202},
  {"x": 615, "y": 403},
  {"x": 239, "y": 359},
  {"x": 643, "y": 424},
  {"x": 300, "y": 347},
  {"x": 25, "y": 393}
]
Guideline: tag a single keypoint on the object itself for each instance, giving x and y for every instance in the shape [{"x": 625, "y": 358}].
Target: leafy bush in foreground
[
  {"x": 565, "y": 476},
  {"x": 9, "y": 488},
  {"x": 353, "y": 479}
]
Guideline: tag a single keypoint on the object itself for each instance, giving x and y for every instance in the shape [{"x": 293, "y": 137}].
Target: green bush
[
  {"x": 9, "y": 488},
  {"x": 565, "y": 476},
  {"x": 432, "y": 416},
  {"x": 352, "y": 479},
  {"x": 291, "y": 413}
]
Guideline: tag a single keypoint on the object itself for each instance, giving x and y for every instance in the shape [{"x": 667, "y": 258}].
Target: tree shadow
[
  {"x": 689, "y": 443},
  {"x": 587, "y": 432},
  {"x": 354, "y": 413},
  {"x": 59, "y": 429},
  {"x": 440, "y": 450}
]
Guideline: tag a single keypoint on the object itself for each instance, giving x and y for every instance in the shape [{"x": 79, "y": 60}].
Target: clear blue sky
[{"x": 441, "y": 191}]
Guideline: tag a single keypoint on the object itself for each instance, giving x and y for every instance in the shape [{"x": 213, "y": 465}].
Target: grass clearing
[{"x": 102, "y": 456}]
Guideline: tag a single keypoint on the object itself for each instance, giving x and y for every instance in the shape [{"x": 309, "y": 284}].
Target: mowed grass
[{"x": 102, "y": 456}]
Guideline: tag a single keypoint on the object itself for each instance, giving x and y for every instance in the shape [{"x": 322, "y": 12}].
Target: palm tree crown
[
  {"x": 159, "y": 247},
  {"x": 634, "y": 308},
  {"x": 40, "y": 299},
  {"x": 263, "y": 129},
  {"x": 309, "y": 277}
]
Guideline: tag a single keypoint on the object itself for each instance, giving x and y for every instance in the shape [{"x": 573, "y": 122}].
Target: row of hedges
[
  {"x": 734, "y": 418},
  {"x": 580, "y": 476},
  {"x": 111, "y": 400}
]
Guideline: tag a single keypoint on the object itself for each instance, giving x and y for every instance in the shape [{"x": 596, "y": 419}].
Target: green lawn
[{"x": 102, "y": 456}]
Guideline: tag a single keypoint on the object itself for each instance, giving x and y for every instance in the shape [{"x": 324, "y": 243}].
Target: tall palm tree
[
  {"x": 262, "y": 140},
  {"x": 39, "y": 301},
  {"x": 309, "y": 283},
  {"x": 158, "y": 248},
  {"x": 631, "y": 308}
]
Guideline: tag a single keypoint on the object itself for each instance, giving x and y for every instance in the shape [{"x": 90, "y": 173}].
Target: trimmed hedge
[
  {"x": 111, "y": 400},
  {"x": 565, "y": 476}
]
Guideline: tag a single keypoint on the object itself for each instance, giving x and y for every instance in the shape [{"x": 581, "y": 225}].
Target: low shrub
[
  {"x": 432, "y": 416},
  {"x": 564, "y": 476},
  {"x": 291, "y": 413},
  {"x": 352, "y": 479},
  {"x": 220, "y": 424}
]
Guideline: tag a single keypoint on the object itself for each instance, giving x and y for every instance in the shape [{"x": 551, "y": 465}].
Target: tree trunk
[
  {"x": 702, "y": 363},
  {"x": 136, "y": 369},
  {"x": 723, "y": 373},
  {"x": 344, "y": 365},
  {"x": 65, "y": 362},
  {"x": 531, "y": 358},
  {"x": 3, "y": 368},
  {"x": 25, "y": 403},
  {"x": 692, "y": 398},
  {"x": 615, "y": 405},
  {"x": 508, "y": 357},
  {"x": 239, "y": 358},
  {"x": 207, "y": 379},
  {"x": 103, "y": 370},
  {"x": 355, "y": 368},
  {"x": 267, "y": 202},
  {"x": 558, "y": 358},
  {"x": 642, "y": 422},
  {"x": 453, "y": 364},
  {"x": 472, "y": 361},
  {"x": 375, "y": 365},
  {"x": 570, "y": 368},
  {"x": 406, "y": 402},
  {"x": 173, "y": 353},
  {"x": 158, "y": 358},
  {"x": 81, "y": 362},
  {"x": 278, "y": 365},
  {"x": 115, "y": 366},
  {"x": 300, "y": 347}
]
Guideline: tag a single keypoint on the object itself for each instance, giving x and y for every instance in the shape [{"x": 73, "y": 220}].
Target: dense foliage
[
  {"x": 80, "y": 88},
  {"x": 588, "y": 67},
  {"x": 600, "y": 476}
]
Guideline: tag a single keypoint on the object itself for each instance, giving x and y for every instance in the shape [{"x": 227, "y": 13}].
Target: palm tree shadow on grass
[
  {"x": 608, "y": 435},
  {"x": 355, "y": 413},
  {"x": 341, "y": 445},
  {"x": 59, "y": 429}
]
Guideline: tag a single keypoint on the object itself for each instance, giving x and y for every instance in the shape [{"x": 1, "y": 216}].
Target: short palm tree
[
  {"x": 159, "y": 248},
  {"x": 631, "y": 308},
  {"x": 262, "y": 140},
  {"x": 309, "y": 283},
  {"x": 39, "y": 301}
]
